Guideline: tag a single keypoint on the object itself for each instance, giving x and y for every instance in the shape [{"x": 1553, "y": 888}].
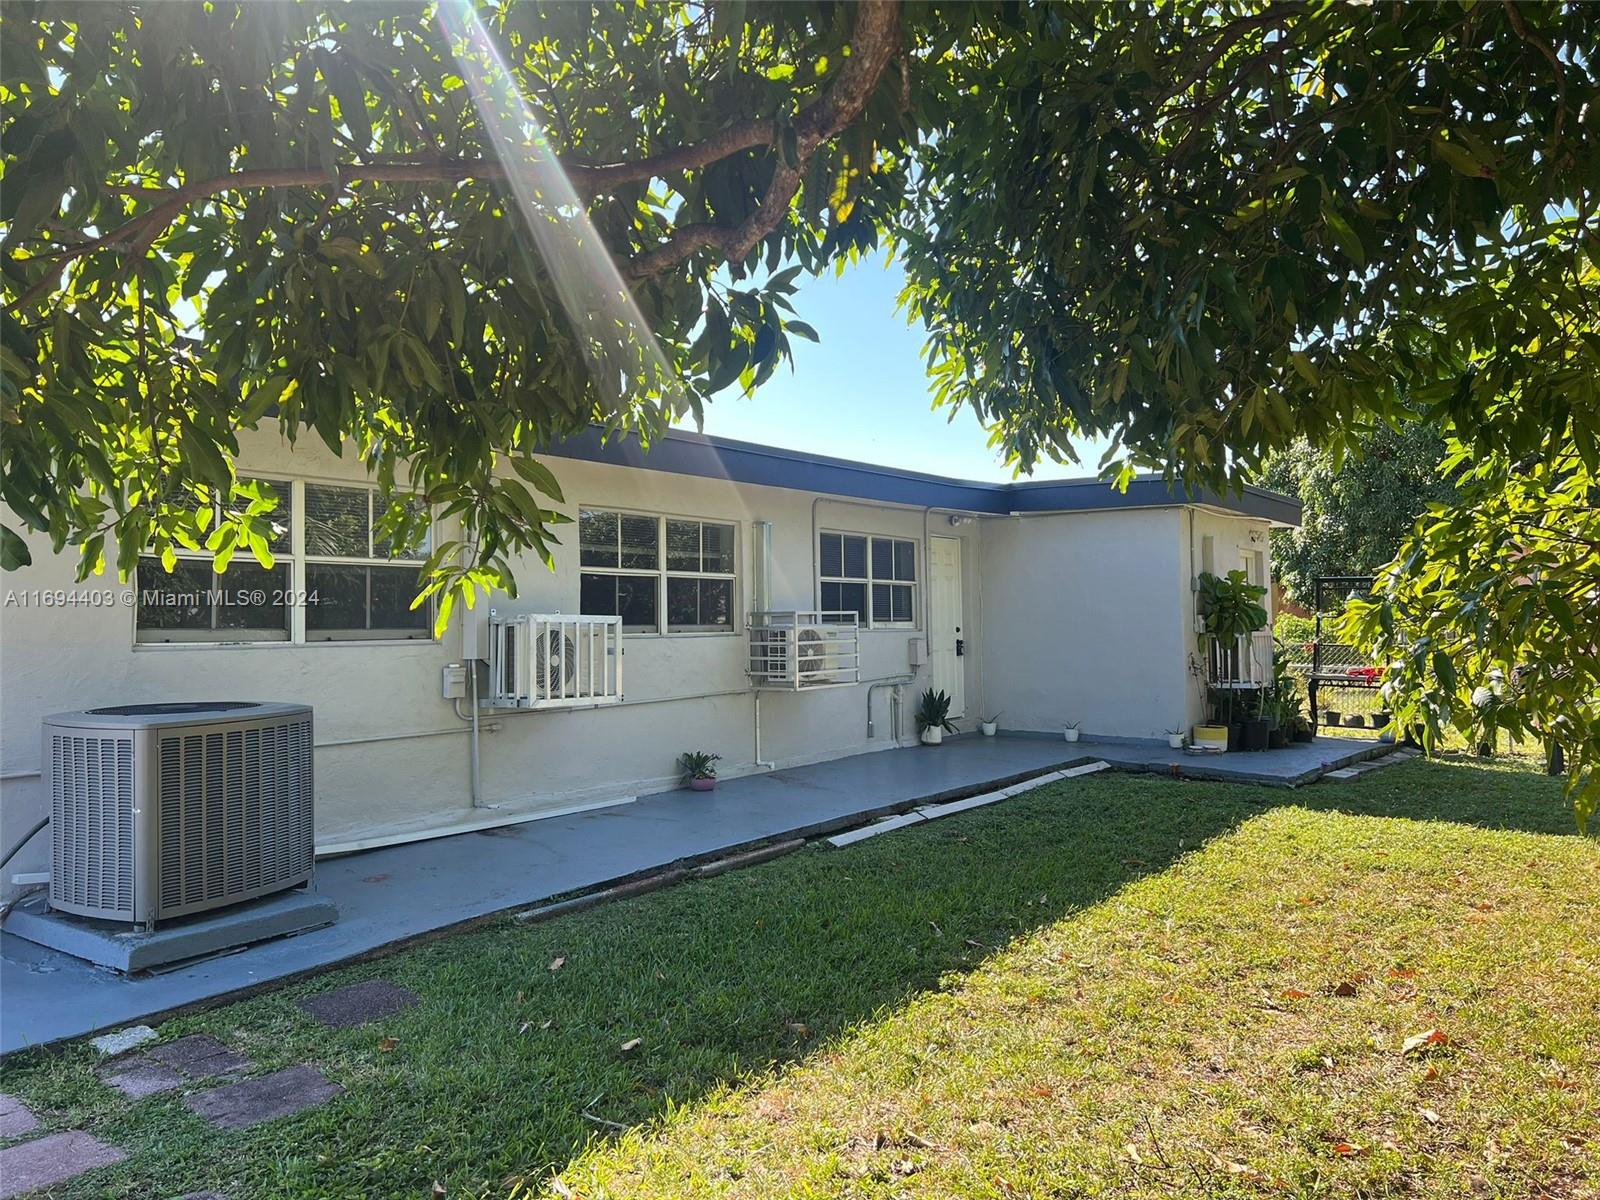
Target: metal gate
[{"x": 1341, "y": 682}]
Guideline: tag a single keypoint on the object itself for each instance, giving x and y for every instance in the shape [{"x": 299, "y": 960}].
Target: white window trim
[
  {"x": 662, "y": 574},
  {"x": 294, "y": 560},
  {"x": 869, "y": 579}
]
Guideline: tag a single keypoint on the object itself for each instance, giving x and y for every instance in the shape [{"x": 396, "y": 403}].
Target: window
[
  {"x": 334, "y": 578},
  {"x": 354, "y": 589},
  {"x": 247, "y": 603},
  {"x": 642, "y": 568},
  {"x": 873, "y": 577}
]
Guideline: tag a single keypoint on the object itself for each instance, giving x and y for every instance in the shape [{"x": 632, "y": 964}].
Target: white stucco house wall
[{"x": 1041, "y": 602}]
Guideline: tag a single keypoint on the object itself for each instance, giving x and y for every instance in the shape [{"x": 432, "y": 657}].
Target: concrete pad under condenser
[{"x": 128, "y": 950}]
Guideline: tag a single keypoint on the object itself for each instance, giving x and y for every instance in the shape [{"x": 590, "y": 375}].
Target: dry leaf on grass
[
  {"x": 557, "y": 963},
  {"x": 1294, "y": 994},
  {"x": 387, "y": 1044},
  {"x": 632, "y": 1044},
  {"x": 1420, "y": 1043},
  {"x": 1348, "y": 1149},
  {"x": 1428, "y": 1115}
]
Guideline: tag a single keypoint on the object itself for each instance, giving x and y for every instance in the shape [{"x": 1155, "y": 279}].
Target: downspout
[
  {"x": 761, "y": 764},
  {"x": 472, "y": 755},
  {"x": 816, "y": 561}
]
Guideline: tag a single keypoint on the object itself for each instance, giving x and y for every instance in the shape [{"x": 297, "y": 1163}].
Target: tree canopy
[
  {"x": 1357, "y": 508},
  {"x": 215, "y": 215}
]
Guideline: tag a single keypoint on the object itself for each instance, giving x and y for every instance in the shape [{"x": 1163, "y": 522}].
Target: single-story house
[{"x": 1040, "y": 603}]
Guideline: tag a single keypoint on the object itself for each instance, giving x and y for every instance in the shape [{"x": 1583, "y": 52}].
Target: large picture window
[
  {"x": 656, "y": 573},
  {"x": 873, "y": 577},
  {"x": 334, "y": 578}
]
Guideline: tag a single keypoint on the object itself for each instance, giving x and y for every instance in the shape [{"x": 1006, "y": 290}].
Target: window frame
[
  {"x": 662, "y": 574},
  {"x": 307, "y": 560},
  {"x": 295, "y": 562},
  {"x": 870, "y": 579}
]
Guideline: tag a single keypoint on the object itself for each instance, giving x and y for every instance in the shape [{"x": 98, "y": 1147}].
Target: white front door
[{"x": 947, "y": 637}]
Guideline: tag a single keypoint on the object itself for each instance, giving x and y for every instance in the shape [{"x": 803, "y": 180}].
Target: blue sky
[{"x": 861, "y": 392}]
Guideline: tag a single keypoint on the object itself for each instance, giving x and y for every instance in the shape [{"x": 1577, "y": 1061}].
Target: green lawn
[{"x": 1117, "y": 985}]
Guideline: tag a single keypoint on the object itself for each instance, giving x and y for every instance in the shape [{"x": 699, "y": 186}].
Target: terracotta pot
[{"x": 702, "y": 785}]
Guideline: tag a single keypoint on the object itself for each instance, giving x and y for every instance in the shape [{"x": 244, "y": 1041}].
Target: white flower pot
[
  {"x": 1070, "y": 733},
  {"x": 1175, "y": 740},
  {"x": 988, "y": 728},
  {"x": 932, "y": 735}
]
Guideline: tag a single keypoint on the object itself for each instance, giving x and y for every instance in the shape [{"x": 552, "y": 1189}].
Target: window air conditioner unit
[
  {"x": 802, "y": 651},
  {"x": 163, "y": 810},
  {"x": 552, "y": 660}
]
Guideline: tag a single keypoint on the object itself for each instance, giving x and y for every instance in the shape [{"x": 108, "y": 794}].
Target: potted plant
[
  {"x": 1331, "y": 718},
  {"x": 1213, "y": 733},
  {"x": 1230, "y": 609},
  {"x": 989, "y": 726},
  {"x": 1278, "y": 734},
  {"x": 1070, "y": 731},
  {"x": 699, "y": 769},
  {"x": 1175, "y": 739},
  {"x": 933, "y": 717},
  {"x": 1258, "y": 726}
]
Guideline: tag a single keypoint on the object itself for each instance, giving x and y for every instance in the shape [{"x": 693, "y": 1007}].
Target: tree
[
  {"x": 1357, "y": 508},
  {"x": 1206, "y": 231},
  {"x": 225, "y": 214}
]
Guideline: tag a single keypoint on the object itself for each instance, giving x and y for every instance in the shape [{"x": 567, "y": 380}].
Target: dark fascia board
[{"x": 680, "y": 452}]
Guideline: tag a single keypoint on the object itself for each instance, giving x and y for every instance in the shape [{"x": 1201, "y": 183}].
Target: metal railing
[
  {"x": 798, "y": 651},
  {"x": 554, "y": 660},
  {"x": 1244, "y": 662}
]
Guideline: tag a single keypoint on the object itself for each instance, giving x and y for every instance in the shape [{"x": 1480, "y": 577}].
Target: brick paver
[
  {"x": 47, "y": 1161},
  {"x": 251, "y": 1101},
  {"x": 347, "y": 1007}
]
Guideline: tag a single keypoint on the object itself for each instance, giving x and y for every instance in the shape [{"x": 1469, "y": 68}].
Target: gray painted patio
[{"x": 394, "y": 894}]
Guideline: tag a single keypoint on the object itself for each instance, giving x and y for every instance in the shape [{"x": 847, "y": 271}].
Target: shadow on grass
[
  {"x": 1499, "y": 793},
  {"x": 522, "y": 1049}
]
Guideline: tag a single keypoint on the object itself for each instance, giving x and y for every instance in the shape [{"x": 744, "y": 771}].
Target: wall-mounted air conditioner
[
  {"x": 798, "y": 651},
  {"x": 161, "y": 810},
  {"x": 552, "y": 660}
]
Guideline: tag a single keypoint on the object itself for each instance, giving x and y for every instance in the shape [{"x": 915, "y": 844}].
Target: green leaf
[{"x": 14, "y": 553}]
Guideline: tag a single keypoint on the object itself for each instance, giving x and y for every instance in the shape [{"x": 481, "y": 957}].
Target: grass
[{"x": 1115, "y": 986}]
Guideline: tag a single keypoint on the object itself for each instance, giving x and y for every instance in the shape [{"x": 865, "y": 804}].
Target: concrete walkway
[{"x": 400, "y": 892}]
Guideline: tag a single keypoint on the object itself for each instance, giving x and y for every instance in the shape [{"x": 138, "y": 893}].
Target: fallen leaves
[
  {"x": 1421, "y": 1043},
  {"x": 632, "y": 1044},
  {"x": 1348, "y": 1149},
  {"x": 558, "y": 962},
  {"x": 1295, "y": 994},
  {"x": 1428, "y": 1115},
  {"x": 387, "y": 1043}
]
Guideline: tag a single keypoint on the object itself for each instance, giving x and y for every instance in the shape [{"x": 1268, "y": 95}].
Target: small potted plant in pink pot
[{"x": 699, "y": 769}]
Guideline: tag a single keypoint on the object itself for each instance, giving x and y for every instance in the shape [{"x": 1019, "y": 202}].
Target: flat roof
[{"x": 679, "y": 452}]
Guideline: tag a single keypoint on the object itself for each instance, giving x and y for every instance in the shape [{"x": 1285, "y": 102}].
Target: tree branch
[{"x": 874, "y": 43}]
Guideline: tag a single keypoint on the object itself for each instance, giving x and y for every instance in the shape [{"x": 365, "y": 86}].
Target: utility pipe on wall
[
  {"x": 894, "y": 702},
  {"x": 472, "y": 686}
]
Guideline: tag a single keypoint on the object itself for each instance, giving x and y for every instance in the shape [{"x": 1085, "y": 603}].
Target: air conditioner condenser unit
[{"x": 163, "y": 810}]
